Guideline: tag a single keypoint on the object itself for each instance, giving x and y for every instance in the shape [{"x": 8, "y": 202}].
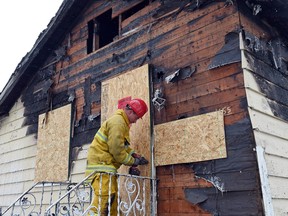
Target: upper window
[{"x": 101, "y": 31}]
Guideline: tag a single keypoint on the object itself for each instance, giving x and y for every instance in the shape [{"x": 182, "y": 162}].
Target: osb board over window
[
  {"x": 193, "y": 139},
  {"x": 53, "y": 145},
  {"x": 134, "y": 83}
]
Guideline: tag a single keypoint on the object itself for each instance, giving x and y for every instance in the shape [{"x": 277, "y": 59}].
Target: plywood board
[
  {"x": 193, "y": 139},
  {"x": 134, "y": 83},
  {"x": 53, "y": 145}
]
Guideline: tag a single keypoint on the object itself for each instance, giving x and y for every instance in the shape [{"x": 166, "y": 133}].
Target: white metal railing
[
  {"x": 37, "y": 198},
  {"x": 134, "y": 197}
]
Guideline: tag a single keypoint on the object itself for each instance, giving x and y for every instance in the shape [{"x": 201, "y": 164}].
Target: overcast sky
[{"x": 21, "y": 22}]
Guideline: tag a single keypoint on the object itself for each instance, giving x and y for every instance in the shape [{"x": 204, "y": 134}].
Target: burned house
[{"x": 214, "y": 74}]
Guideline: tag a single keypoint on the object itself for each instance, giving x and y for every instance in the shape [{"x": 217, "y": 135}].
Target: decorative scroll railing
[
  {"x": 36, "y": 199},
  {"x": 134, "y": 197}
]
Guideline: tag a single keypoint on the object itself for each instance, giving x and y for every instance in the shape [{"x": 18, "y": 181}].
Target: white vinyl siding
[
  {"x": 17, "y": 155},
  {"x": 271, "y": 137}
]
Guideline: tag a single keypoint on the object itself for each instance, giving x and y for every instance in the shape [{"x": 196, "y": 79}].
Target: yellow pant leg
[{"x": 103, "y": 194}]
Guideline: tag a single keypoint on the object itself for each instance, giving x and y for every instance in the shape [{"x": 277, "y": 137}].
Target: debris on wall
[
  {"x": 215, "y": 181},
  {"x": 93, "y": 116},
  {"x": 229, "y": 53},
  {"x": 180, "y": 74},
  {"x": 158, "y": 100}
]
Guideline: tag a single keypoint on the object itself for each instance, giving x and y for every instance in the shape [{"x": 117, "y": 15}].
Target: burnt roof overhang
[{"x": 47, "y": 41}]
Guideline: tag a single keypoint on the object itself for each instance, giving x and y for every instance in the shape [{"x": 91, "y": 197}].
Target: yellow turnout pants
[{"x": 101, "y": 195}]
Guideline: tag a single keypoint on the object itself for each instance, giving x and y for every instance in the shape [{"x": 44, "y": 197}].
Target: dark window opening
[
  {"x": 135, "y": 9},
  {"x": 101, "y": 31}
]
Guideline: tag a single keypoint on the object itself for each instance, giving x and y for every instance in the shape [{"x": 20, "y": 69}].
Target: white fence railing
[
  {"x": 116, "y": 194},
  {"x": 132, "y": 196},
  {"x": 36, "y": 199}
]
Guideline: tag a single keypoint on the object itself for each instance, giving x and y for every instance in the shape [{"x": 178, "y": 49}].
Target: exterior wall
[
  {"x": 202, "y": 42},
  {"x": 17, "y": 155}
]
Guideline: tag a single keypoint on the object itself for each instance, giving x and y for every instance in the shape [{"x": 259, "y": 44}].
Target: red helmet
[{"x": 138, "y": 106}]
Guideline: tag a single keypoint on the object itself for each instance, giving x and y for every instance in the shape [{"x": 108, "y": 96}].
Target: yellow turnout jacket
[{"x": 110, "y": 146}]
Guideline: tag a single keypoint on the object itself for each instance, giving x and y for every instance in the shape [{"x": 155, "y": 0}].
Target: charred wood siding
[{"x": 168, "y": 38}]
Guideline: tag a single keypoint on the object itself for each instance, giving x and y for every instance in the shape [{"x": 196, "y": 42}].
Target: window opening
[
  {"x": 135, "y": 9},
  {"x": 101, "y": 31}
]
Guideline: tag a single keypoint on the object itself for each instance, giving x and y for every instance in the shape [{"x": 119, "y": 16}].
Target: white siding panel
[
  {"x": 279, "y": 187},
  {"x": 78, "y": 170},
  {"x": 269, "y": 124},
  {"x": 16, "y": 106},
  {"x": 280, "y": 207},
  {"x": 17, "y": 114},
  {"x": 47, "y": 197},
  {"x": 19, "y": 154},
  {"x": 13, "y": 116},
  {"x": 244, "y": 61},
  {"x": 77, "y": 177},
  {"x": 26, "y": 141},
  {"x": 250, "y": 82},
  {"x": 7, "y": 200},
  {"x": 277, "y": 166},
  {"x": 272, "y": 145},
  {"x": 13, "y": 135},
  {"x": 24, "y": 175},
  {"x": 258, "y": 101},
  {"x": 11, "y": 126},
  {"x": 83, "y": 153},
  {"x": 79, "y": 166},
  {"x": 15, "y": 188},
  {"x": 14, "y": 166}
]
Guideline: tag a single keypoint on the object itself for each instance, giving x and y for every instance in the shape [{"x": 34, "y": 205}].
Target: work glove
[
  {"x": 133, "y": 170},
  {"x": 139, "y": 160}
]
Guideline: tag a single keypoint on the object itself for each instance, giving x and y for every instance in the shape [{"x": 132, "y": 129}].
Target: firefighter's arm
[
  {"x": 116, "y": 143},
  {"x": 139, "y": 160}
]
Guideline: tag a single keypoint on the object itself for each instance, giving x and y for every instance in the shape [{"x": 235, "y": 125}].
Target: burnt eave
[{"x": 47, "y": 41}]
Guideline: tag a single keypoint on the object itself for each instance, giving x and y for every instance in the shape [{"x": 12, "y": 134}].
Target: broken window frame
[{"x": 95, "y": 30}]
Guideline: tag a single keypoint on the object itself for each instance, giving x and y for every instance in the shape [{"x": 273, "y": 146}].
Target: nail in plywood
[
  {"x": 53, "y": 145},
  {"x": 193, "y": 139}
]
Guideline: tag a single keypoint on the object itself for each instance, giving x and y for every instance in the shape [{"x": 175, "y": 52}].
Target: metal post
[{"x": 153, "y": 180}]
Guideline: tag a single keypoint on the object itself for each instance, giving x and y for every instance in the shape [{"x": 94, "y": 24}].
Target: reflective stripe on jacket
[{"x": 110, "y": 146}]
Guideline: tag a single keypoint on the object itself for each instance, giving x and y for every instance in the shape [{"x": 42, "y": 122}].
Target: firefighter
[{"x": 109, "y": 150}]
